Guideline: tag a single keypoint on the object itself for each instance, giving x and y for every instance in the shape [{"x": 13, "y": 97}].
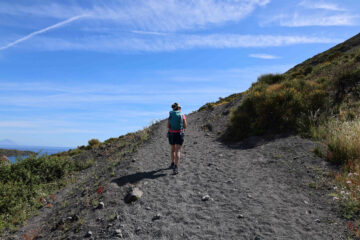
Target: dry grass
[
  {"x": 343, "y": 147},
  {"x": 343, "y": 141},
  {"x": 274, "y": 87},
  {"x": 311, "y": 83}
]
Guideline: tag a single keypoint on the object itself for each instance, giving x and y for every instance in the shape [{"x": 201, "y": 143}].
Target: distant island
[{"x": 15, "y": 153}]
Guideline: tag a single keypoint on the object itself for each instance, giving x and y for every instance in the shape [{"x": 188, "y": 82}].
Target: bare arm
[
  {"x": 169, "y": 123},
  {"x": 184, "y": 122}
]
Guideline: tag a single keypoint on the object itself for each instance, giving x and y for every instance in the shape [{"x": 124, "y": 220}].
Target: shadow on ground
[
  {"x": 136, "y": 177},
  {"x": 254, "y": 141}
]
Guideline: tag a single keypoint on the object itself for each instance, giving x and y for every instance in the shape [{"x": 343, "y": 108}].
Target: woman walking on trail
[{"x": 176, "y": 124}]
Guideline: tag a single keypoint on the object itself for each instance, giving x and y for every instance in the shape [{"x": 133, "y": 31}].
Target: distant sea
[{"x": 37, "y": 149}]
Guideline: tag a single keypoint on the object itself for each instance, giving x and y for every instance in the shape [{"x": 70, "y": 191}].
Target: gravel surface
[
  {"x": 258, "y": 192},
  {"x": 256, "y": 189}
]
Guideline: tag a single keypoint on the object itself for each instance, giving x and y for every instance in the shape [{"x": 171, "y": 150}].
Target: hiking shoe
[
  {"x": 175, "y": 171},
  {"x": 172, "y": 166}
]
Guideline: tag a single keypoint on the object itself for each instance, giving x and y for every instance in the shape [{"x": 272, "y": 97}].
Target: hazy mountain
[{"x": 7, "y": 142}]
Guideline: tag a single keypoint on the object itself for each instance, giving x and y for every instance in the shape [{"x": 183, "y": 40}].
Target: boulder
[{"x": 133, "y": 195}]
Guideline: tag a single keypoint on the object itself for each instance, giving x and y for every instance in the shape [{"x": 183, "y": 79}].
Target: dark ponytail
[{"x": 175, "y": 106}]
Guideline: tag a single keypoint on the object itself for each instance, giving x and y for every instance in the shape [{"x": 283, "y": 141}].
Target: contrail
[{"x": 42, "y": 31}]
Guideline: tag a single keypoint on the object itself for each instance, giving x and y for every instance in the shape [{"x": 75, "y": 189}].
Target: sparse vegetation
[
  {"x": 207, "y": 127},
  {"x": 318, "y": 152},
  {"x": 28, "y": 185},
  {"x": 347, "y": 189},
  {"x": 313, "y": 185},
  {"x": 221, "y": 101},
  {"x": 31, "y": 235},
  {"x": 81, "y": 164},
  {"x": 112, "y": 217}
]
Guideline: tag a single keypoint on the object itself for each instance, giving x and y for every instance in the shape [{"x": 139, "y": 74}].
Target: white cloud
[
  {"x": 57, "y": 25},
  {"x": 112, "y": 43},
  {"x": 303, "y": 20},
  {"x": 315, "y": 13},
  {"x": 49, "y": 9},
  {"x": 69, "y": 100},
  {"x": 154, "y": 25},
  {"x": 148, "y": 15},
  {"x": 263, "y": 56},
  {"x": 321, "y": 5}
]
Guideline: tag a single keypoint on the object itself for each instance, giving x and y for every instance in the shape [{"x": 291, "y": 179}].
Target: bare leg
[
  {"x": 173, "y": 153},
  {"x": 177, "y": 153}
]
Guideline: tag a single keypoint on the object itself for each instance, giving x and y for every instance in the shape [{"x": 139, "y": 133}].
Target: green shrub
[
  {"x": 270, "y": 78},
  {"x": 318, "y": 152},
  {"x": 346, "y": 78},
  {"x": 308, "y": 70},
  {"x": 81, "y": 164},
  {"x": 334, "y": 56},
  {"x": 94, "y": 142},
  {"x": 23, "y": 183},
  {"x": 82, "y": 147},
  {"x": 275, "y": 108},
  {"x": 111, "y": 140},
  {"x": 76, "y": 151}
]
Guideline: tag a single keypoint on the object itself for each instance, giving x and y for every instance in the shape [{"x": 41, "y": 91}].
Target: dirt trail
[
  {"x": 256, "y": 193},
  {"x": 275, "y": 190}
]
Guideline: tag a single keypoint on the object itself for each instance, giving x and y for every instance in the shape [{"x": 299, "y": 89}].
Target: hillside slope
[
  {"x": 351, "y": 45},
  {"x": 258, "y": 188},
  {"x": 268, "y": 189},
  {"x": 325, "y": 87}
]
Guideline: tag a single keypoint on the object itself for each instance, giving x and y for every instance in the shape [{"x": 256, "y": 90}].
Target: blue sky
[{"x": 75, "y": 70}]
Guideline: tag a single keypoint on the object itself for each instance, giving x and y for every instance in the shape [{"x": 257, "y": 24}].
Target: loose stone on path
[
  {"x": 118, "y": 233},
  {"x": 101, "y": 205},
  {"x": 205, "y": 198},
  {"x": 156, "y": 217},
  {"x": 133, "y": 195},
  {"x": 88, "y": 234}
]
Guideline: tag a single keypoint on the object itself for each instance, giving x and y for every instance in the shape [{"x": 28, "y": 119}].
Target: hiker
[{"x": 176, "y": 124}]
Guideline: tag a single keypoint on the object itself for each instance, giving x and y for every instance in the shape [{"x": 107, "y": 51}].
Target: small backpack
[{"x": 176, "y": 121}]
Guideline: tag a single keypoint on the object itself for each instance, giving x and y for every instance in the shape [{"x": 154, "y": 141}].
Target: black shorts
[{"x": 176, "y": 138}]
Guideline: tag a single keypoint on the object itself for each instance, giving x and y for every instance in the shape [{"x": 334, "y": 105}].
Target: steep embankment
[{"x": 258, "y": 190}]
